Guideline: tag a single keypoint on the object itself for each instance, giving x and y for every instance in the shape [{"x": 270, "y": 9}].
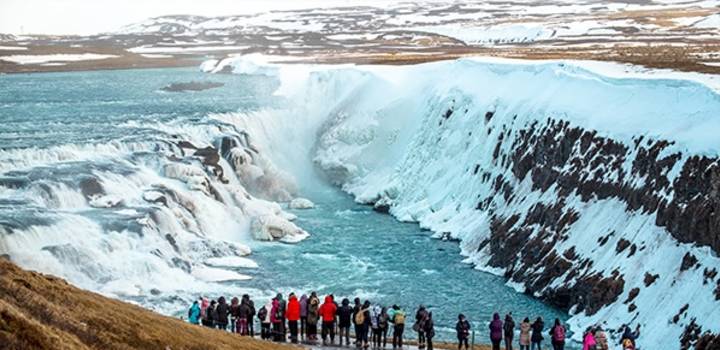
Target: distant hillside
[{"x": 43, "y": 312}]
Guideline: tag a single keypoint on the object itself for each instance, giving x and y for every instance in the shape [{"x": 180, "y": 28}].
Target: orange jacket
[
  {"x": 328, "y": 309},
  {"x": 293, "y": 309}
]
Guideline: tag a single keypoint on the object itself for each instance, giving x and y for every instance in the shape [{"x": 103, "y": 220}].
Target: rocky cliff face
[
  {"x": 593, "y": 193},
  {"x": 615, "y": 225}
]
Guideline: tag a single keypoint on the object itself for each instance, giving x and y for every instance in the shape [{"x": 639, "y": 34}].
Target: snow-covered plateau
[{"x": 595, "y": 192}]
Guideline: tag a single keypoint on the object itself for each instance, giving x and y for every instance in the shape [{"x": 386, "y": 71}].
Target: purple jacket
[
  {"x": 496, "y": 328},
  {"x": 303, "y": 305}
]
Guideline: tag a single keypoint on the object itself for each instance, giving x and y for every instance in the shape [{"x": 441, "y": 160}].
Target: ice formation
[{"x": 594, "y": 193}]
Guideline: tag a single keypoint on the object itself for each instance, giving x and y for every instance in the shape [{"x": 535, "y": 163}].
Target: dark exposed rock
[
  {"x": 186, "y": 144},
  {"x": 650, "y": 279},
  {"x": 155, "y": 291},
  {"x": 632, "y": 307},
  {"x": 182, "y": 264},
  {"x": 209, "y": 156},
  {"x": 633, "y": 249},
  {"x": 381, "y": 208},
  {"x": 688, "y": 261},
  {"x": 709, "y": 275},
  {"x": 172, "y": 242},
  {"x": 682, "y": 310},
  {"x": 708, "y": 341},
  {"x": 91, "y": 187},
  {"x": 632, "y": 295},
  {"x": 689, "y": 216},
  {"x": 590, "y": 293},
  {"x": 622, "y": 244},
  {"x": 488, "y": 116},
  {"x": 448, "y": 113}
]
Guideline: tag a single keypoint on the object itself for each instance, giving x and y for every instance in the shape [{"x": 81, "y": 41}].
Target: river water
[{"x": 52, "y": 132}]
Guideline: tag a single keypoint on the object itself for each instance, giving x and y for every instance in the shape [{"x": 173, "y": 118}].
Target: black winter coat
[
  {"x": 223, "y": 310},
  {"x": 345, "y": 313},
  {"x": 537, "y": 328}
]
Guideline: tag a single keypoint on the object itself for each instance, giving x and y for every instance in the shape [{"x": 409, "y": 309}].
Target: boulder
[
  {"x": 301, "y": 203},
  {"x": 271, "y": 227}
]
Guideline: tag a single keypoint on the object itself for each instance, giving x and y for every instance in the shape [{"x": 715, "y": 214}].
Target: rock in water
[
  {"x": 273, "y": 227},
  {"x": 301, "y": 203},
  {"x": 191, "y": 86}
]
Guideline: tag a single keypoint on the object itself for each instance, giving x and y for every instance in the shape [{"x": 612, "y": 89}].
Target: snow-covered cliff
[{"x": 594, "y": 193}]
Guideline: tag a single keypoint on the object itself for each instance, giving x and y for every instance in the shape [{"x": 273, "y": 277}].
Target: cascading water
[
  {"x": 135, "y": 192},
  {"x": 118, "y": 192}
]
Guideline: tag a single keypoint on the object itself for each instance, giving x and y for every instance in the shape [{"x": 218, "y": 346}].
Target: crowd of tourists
[{"x": 297, "y": 320}]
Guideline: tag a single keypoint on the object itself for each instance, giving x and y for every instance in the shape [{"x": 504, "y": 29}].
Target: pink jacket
[
  {"x": 588, "y": 341},
  {"x": 273, "y": 311}
]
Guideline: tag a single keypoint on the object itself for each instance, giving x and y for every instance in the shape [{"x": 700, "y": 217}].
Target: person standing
[
  {"x": 344, "y": 320},
  {"x": 244, "y": 316},
  {"x": 462, "y": 327},
  {"x": 589, "y": 342},
  {"x": 275, "y": 317},
  {"x": 429, "y": 328},
  {"x": 313, "y": 315},
  {"x": 223, "y": 311},
  {"x": 204, "y": 315},
  {"x": 384, "y": 324},
  {"x": 282, "y": 306},
  {"x": 212, "y": 314},
  {"x": 509, "y": 331},
  {"x": 358, "y": 325},
  {"x": 420, "y": 317},
  {"x": 251, "y": 317},
  {"x": 398, "y": 320},
  {"x": 496, "y": 331},
  {"x": 293, "y": 317},
  {"x": 194, "y": 313},
  {"x": 627, "y": 340},
  {"x": 525, "y": 328},
  {"x": 365, "y": 311},
  {"x": 327, "y": 313},
  {"x": 375, "y": 325},
  {"x": 234, "y": 314},
  {"x": 601, "y": 339},
  {"x": 303, "y": 315},
  {"x": 537, "y": 337},
  {"x": 265, "y": 322},
  {"x": 557, "y": 335}
]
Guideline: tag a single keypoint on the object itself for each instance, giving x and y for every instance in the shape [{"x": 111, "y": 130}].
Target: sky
[{"x": 98, "y": 16}]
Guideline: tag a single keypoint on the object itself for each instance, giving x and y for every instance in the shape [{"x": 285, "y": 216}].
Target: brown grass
[{"x": 44, "y": 312}]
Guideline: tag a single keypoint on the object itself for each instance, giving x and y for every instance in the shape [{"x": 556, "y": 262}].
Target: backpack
[
  {"x": 262, "y": 314},
  {"x": 360, "y": 316},
  {"x": 399, "y": 317},
  {"x": 559, "y": 333}
]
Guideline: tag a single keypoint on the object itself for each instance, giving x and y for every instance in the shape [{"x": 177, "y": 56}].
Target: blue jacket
[{"x": 194, "y": 313}]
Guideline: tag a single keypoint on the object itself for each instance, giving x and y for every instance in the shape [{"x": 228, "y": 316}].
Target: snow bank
[
  {"x": 445, "y": 152},
  {"x": 38, "y": 59}
]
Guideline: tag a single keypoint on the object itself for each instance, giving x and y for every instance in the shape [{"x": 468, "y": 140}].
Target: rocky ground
[{"x": 654, "y": 33}]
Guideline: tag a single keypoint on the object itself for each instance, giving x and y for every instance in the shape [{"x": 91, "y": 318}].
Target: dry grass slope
[{"x": 43, "y": 312}]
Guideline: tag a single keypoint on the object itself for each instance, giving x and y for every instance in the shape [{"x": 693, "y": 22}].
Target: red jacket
[
  {"x": 293, "y": 309},
  {"x": 327, "y": 310}
]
